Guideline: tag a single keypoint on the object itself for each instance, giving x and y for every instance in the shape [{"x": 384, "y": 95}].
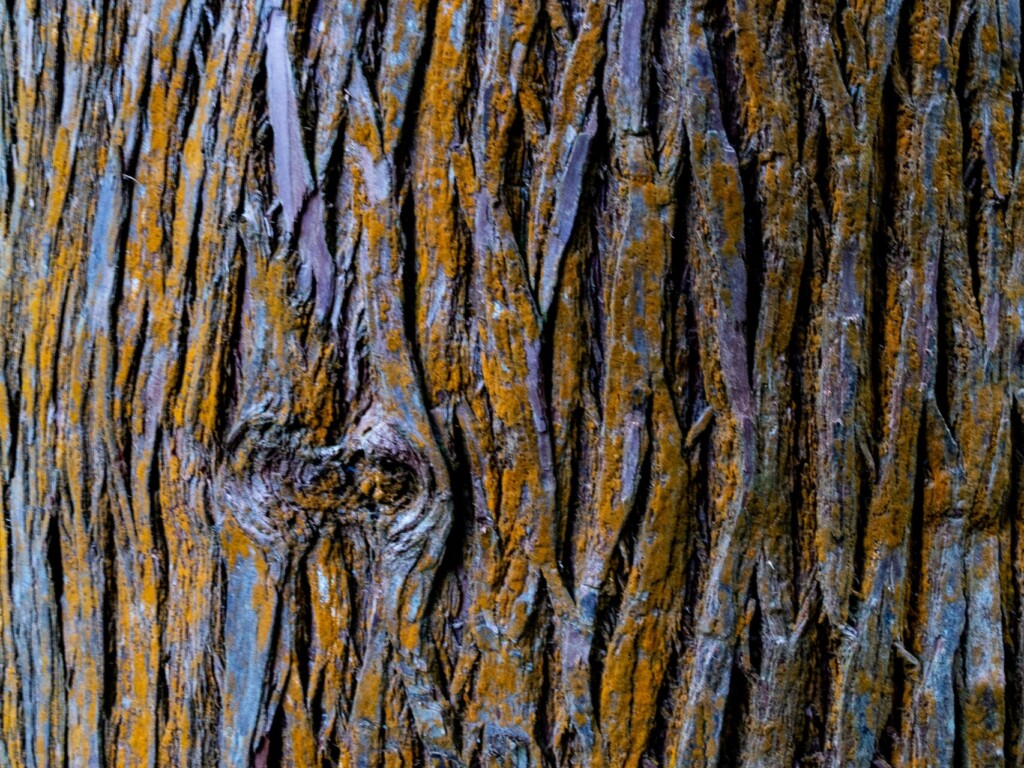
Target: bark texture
[{"x": 527, "y": 383}]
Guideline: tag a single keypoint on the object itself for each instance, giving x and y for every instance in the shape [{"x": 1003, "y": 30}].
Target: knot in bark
[
  {"x": 395, "y": 494},
  {"x": 277, "y": 486},
  {"x": 281, "y": 489}
]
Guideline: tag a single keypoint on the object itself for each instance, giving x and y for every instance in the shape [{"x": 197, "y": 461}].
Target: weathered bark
[{"x": 632, "y": 383}]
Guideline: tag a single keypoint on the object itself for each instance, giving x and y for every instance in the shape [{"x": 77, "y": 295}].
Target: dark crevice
[
  {"x": 309, "y": 116},
  {"x": 788, "y": 43},
  {"x": 475, "y": 39},
  {"x": 139, "y": 349},
  {"x": 888, "y": 743},
  {"x": 9, "y": 173},
  {"x": 209, "y": 14},
  {"x": 406, "y": 141},
  {"x": 109, "y": 622},
  {"x": 696, "y": 402},
  {"x": 682, "y": 369},
  {"x": 903, "y": 55},
  {"x": 574, "y": 10},
  {"x": 595, "y": 211},
  {"x": 354, "y": 550},
  {"x": 160, "y": 556},
  {"x": 752, "y": 234},
  {"x": 653, "y": 29},
  {"x": 117, "y": 282},
  {"x": 304, "y": 46},
  {"x": 458, "y": 547},
  {"x": 537, "y": 626},
  {"x": 218, "y": 653},
  {"x": 61, "y": 320},
  {"x": 734, "y": 716},
  {"x": 212, "y": 10},
  {"x": 13, "y": 395},
  {"x": 1014, "y": 601},
  {"x": 823, "y": 184},
  {"x": 721, "y": 42},
  {"x": 8, "y": 110},
  {"x": 885, "y": 247},
  {"x": 59, "y": 65},
  {"x": 945, "y": 338},
  {"x": 801, "y": 455},
  {"x": 622, "y": 562},
  {"x": 302, "y": 627},
  {"x": 407, "y": 218},
  {"x": 261, "y": 135},
  {"x": 550, "y": 65},
  {"x": 363, "y": 364},
  {"x": 594, "y": 292},
  {"x": 658, "y": 739},
  {"x": 959, "y": 686},
  {"x": 546, "y": 376},
  {"x": 544, "y": 729},
  {"x": 371, "y": 42},
  {"x": 186, "y": 114},
  {"x": 973, "y": 166},
  {"x": 270, "y": 751},
  {"x": 259, "y": 184},
  {"x": 755, "y": 642},
  {"x": 55, "y": 564},
  {"x": 838, "y": 29},
  {"x": 331, "y": 752},
  {"x": 304, "y": 64},
  {"x": 163, "y": 697},
  {"x": 271, "y": 743},
  {"x": 811, "y": 741},
  {"x": 449, "y": 576},
  {"x": 965, "y": 102},
  {"x": 860, "y": 554},
  {"x": 318, "y": 716},
  {"x": 231, "y": 361},
  {"x": 370, "y": 39},
  {"x": 332, "y": 175},
  {"x": 577, "y": 459},
  {"x": 122, "y": 435},
  {"x": 410, "y": 295},
  {"x": 188, "y": 297},
  {"x": 1017, "y": 126},
  {"x": 518, "y": 167},
  {"x": 915, "y": 566},
  {"x": 577, "y": 451},
  {"x": 629, "y": 536},
  {"x": 721, "y": 37},
  {"x": 951, "y": 16},
  {"x": 697, "y": 565}
]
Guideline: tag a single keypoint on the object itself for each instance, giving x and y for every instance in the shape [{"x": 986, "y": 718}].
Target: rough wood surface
[{"x": 527, "y": 383}]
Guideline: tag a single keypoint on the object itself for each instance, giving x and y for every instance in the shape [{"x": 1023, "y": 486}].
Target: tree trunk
[{"x": 511, "y": 383}]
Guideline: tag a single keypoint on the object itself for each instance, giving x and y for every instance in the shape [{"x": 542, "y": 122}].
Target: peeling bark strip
[{"x": 511, "y": 383}]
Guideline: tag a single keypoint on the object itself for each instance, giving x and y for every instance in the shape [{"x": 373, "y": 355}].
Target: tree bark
[{"x": 511, "y": 383}]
